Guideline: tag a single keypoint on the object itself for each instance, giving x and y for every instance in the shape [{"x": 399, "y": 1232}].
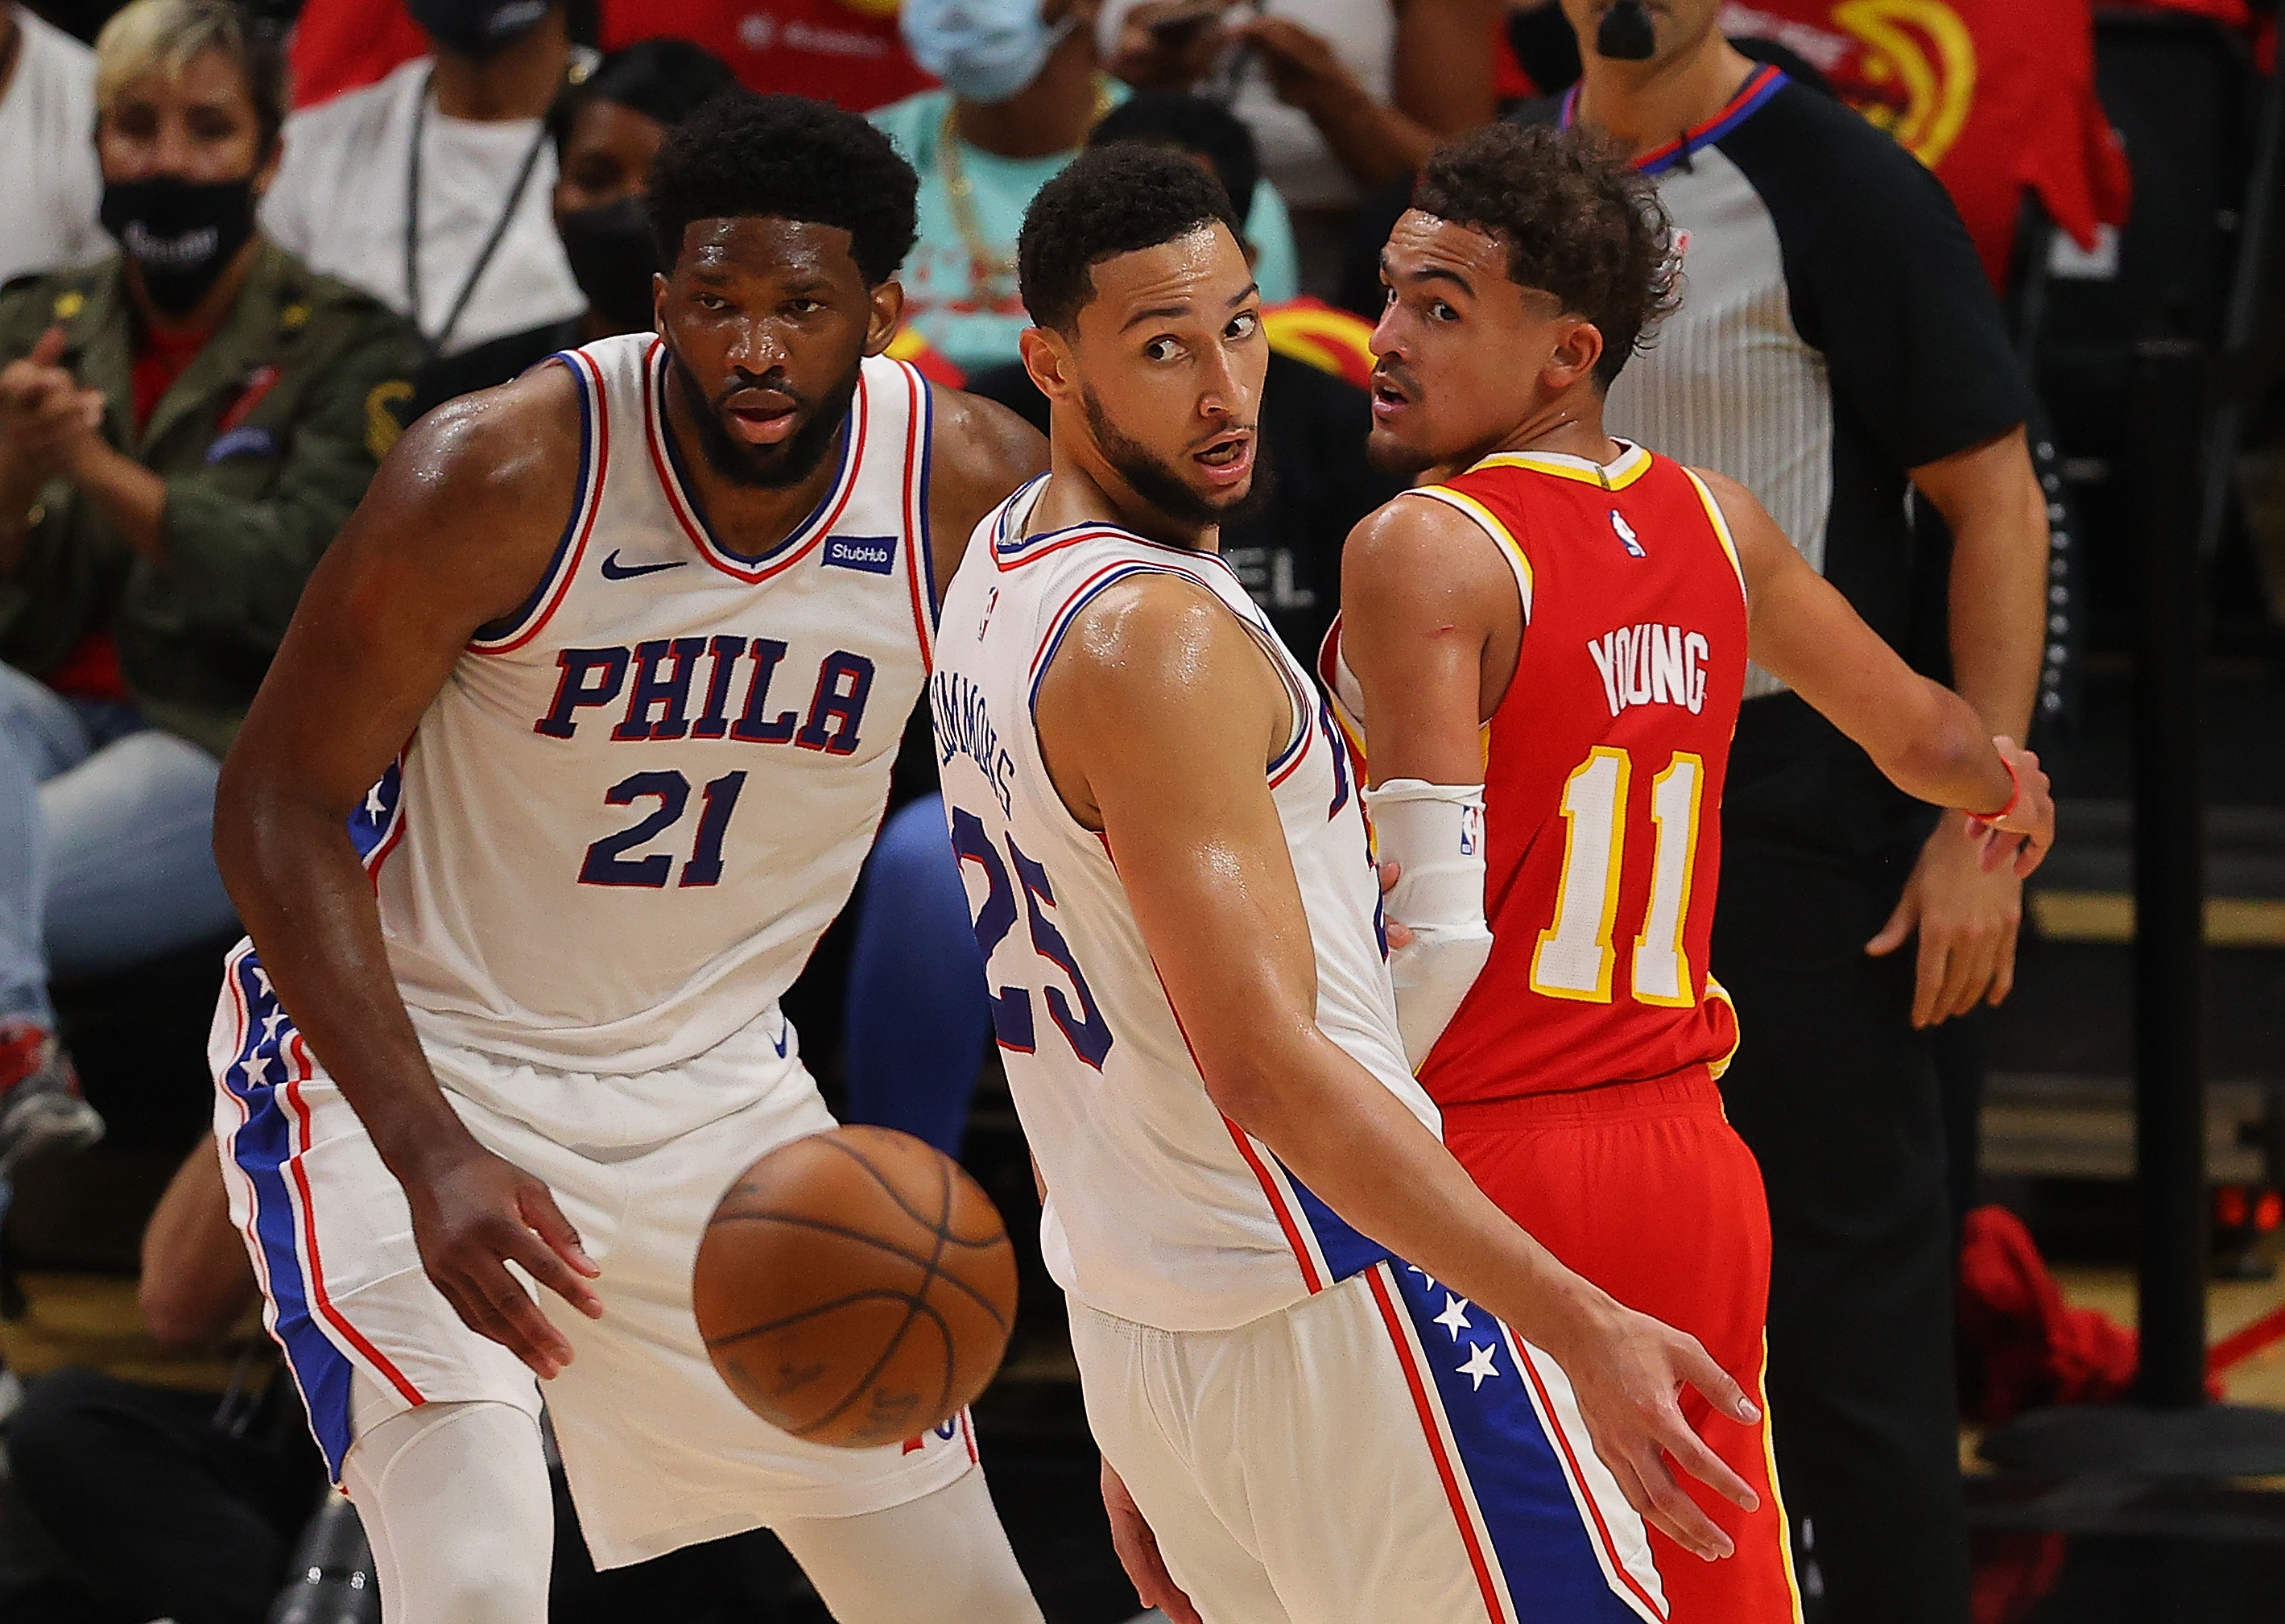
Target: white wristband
[{"x": 1435, "y": 833}]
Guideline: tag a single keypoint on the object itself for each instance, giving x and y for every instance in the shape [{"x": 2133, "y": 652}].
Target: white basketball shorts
[
  {"x": 659, "y": 1452},
  {"x": 1383, "y": 1452}
]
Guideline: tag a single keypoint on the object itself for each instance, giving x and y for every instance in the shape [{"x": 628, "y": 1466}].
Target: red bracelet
[{"x": 2013, "y": 800}]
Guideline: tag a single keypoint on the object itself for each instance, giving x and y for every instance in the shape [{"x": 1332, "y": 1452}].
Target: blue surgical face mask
[{"x": 984, "y": 50}]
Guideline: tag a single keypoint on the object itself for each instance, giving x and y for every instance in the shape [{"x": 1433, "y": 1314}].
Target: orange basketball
[{"x": 855, "y": 1288}]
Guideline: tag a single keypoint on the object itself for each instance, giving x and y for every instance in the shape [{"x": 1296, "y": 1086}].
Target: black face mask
[
  {"x": 612, "y": 259},
  {"x": 476, "y": 28},
  {"x": 1627, "y": 33},
  {"x": 180, "y": 233}
]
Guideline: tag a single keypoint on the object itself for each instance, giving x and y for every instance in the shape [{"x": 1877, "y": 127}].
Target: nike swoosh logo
[
  {"x": 614, "y": 570},
  {"x": 784, "y": 1032}
]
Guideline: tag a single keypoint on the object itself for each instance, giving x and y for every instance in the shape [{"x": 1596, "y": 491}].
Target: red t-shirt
[
  {"x": 90, "y": 670},
  {"x": 1996, "y": 96},
  {"x": 845, "y": 51}
]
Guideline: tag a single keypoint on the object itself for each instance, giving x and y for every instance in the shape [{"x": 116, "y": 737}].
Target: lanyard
[{"x": 412, "y": 222}]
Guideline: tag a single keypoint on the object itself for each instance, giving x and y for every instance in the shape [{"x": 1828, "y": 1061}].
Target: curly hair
[
  {"x": 785, "y": 155},
  {"x": 1578, "y": 222},
  {"x": 1109, "y": 200}
]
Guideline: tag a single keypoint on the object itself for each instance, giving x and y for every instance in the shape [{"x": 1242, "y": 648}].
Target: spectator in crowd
[
  {"x": 165, "y": 1504},
  {"x": 606, "y": 128},
  {"x": 848, "y": 52},
  {"x": 429, "y": 188},
  {"x": 49, "y": 188},
  {"x": 183, "y": 428},
  {"x": 916, "y": 1020},
  {"x": 1344, "y": 96},
  {"x": 1022, "y": 88},
  {"x": 1838, "y": 342}
]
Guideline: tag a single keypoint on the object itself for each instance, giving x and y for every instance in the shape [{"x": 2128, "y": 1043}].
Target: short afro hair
[
  {"x": 1579, "y": 222},
  {"x": 1109, "y": 200},
  {"x": 743, "y": 154}
]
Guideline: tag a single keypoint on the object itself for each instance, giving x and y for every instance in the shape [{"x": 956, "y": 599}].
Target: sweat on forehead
[{"x": 1109, "y": 200}]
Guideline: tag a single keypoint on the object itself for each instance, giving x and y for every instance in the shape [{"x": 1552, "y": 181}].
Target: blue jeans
[
  {"x": 918, "y": 1012},
  {"x": 106, "y": 843}
]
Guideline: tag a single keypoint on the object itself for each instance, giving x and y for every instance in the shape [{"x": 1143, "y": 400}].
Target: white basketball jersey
[
  {"x": 1159, "y": 1210},
  {"x": 617, "y": 835}
]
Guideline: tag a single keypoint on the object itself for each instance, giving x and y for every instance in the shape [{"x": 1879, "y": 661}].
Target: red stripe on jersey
[
  {"x": 1436, "y": 1450},
  {"x": 1555, "y": 1429},
  {"x": 304, "y": 1069},
  {"x": 796, "y": 547},
  {"x": 582, "y": 521}
]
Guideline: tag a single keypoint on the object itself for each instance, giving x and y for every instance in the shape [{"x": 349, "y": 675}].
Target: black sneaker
[{"x": 41, "y": 1110}]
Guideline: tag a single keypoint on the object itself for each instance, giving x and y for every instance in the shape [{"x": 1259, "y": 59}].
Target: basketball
[{"x": 855, "y": 1288}]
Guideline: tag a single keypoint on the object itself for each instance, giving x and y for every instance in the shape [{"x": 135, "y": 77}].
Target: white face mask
[{"x": 984, "y": 50}]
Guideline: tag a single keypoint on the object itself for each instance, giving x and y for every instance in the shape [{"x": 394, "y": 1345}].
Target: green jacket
[{"x": 266, "y": 442}]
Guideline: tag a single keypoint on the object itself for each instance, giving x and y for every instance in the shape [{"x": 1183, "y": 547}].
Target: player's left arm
[
  {"x": 1929, "y": 740},
  {"x": 1431, "y": 623},
  {"x": 1967, "y": 916},
  {"x": 979, "y": 453}
]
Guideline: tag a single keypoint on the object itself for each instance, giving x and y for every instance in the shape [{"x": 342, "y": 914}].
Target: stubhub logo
[{"x": 874, "y": 554}]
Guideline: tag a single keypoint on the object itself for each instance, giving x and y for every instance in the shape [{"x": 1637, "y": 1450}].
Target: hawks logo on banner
[
  {"x": 1996, "y": 96},
  {"x": 1332, "y": 340}
]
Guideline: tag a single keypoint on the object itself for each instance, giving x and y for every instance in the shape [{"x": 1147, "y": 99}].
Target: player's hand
[
  {"x": 474, "y": 1213},
  {"x": 1627, "y": 1372},
  {"x": 1138, "y": 1554},
  {"x": 1397, "y": 933},
  {"x": 1168, "y": 44},
  {"x": 43, "y": 412},
  {"x": 1304, "y": 69},
  {"x": 2024, "y": 835},
  {"x": 1967, "y": 917}
]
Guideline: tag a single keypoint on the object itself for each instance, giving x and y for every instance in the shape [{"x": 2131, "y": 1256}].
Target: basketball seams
[
  {"x": 775, "y": 1362},
  {"x": 861, "y": 1237}
]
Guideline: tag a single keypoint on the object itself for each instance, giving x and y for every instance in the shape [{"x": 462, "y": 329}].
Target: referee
[{"x": 1837, "y": 346}]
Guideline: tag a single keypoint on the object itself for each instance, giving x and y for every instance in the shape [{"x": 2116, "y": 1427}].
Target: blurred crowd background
[{"x": 245, "y": 245}]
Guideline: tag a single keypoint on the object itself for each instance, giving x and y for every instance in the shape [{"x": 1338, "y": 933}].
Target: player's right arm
[
  {"x": 454, "y": 532},
  {"x": 1928, "y": 741},
  {"x": 1156, "y": 720}
]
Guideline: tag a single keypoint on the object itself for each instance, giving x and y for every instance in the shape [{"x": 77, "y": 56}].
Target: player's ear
[
  {"x": 1048, "y": 359},
  {"x": 887, "y": 302},
  {"x": 1578, "y": 346}
]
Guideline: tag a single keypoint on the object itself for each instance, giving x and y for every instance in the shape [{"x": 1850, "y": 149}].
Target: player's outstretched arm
[
  {"x": 1928, "y": 741},
  {"x": 455, "y": 531},
  {"x": 979, "y": 453},
  {"x": 1158, "y": 719}
]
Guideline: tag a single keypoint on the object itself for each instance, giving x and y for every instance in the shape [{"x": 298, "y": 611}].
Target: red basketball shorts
[{"x": 1646, "y": 1189}]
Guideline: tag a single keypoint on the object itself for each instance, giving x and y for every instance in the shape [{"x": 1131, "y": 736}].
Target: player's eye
[
  {"x": 804, "y": 307},
  {"x": 1441, "y": 311},
  {"x": 1242, "y": 325},
  {"x": 1162, "y": 349},
  {"x": 705, "y": 301}
]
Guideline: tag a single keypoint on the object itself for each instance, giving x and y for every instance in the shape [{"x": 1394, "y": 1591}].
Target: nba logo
[
  {"x": 1471, "y": 831},
  {"x": 1626, "y": 534}
]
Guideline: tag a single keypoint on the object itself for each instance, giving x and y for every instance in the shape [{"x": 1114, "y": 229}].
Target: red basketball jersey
[{"x": 1603, "y": 776}]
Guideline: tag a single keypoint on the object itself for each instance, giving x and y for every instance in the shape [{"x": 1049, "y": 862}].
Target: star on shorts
[{"x": 1480, "y": 1364}]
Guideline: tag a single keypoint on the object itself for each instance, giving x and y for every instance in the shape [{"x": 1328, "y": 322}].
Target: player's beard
[
  {"x": 767, "y": 467},
  {"x": 1154, "y": 479}
]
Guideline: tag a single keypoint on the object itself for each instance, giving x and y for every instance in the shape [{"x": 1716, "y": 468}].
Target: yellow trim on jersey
[
  {"x": 1777, "y": 1490},
  {"x": 1714, "y": 991},
  {"x": 1520, "y": 560},
  {"x": 1721, "y": 526},
  {"x": 1686, "y": 998},
  {"x": 1613, "y": 855},
  {"x": 1633, "y": 463}
]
